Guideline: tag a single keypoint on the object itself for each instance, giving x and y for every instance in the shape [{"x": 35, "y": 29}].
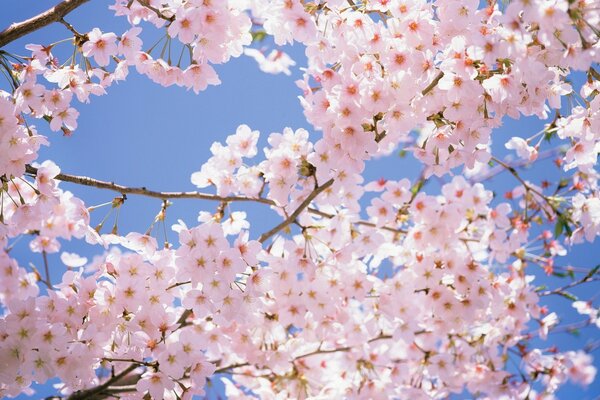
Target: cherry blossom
[
  {"x": 274, "y": 63},
  {"x": 101, "y": 46},
  {"x": 380, "y": 289}
]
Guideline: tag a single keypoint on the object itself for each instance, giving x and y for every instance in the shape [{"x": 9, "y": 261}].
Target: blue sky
[{"x": 142, "y": 134}]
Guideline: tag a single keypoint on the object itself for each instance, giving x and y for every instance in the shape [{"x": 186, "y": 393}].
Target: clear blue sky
[{"x": 142, "y": 134}]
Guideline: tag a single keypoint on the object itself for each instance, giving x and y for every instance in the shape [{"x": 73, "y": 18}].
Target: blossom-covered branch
[{"x": 142, "y": 191}]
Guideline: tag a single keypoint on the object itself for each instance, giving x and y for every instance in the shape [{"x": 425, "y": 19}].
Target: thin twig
[
  {"x": 230, "y": 367},
  {"x": 71, "y": 28},
  {"x": 592, "y": 346},
  {"x": 517, "y": 164},
  {"x": 361, "y": 222},
  {"x": 527, "y": 186},
  {"x": 178, "y": 284},
  {"x": 561, "y": 290},
  {"x": 339, "y": 349},
  {"x": 46, "y": 269},
  {"x": 131, "y": 360}
]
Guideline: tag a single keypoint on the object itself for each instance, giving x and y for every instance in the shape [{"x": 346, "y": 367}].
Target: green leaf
[
  {"x": 592, "y": 272},
  {"x": 568, "y": 228},
  {"x": 558, "y": 228},
  {"x": 548, "y": 136},
  {"x": 563, "y": 183},
  {"x": 568, "y": 295},
  {"x": 562, "y": 225},
  {"x": 258, "y": 36},
  {"x": 417, "y": 187}
]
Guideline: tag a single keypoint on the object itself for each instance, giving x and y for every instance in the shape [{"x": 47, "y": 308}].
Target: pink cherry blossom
[
  {"x": 101, "y": 46},
  {"x": 353, "y": 288}
]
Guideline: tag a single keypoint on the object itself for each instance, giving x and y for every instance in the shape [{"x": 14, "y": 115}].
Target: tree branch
[
  {"x": 561, "y": 290},
  {"x": 297, "y": 212},
  {"x": 54, "y": 14},
  {"x": 46, "y": 269},
  {"x": 433, "y": 83},
  {"x": 527, "y": 186},
  {"x": 516, "y": 164},
  {"x": 227, "y": 368},
  {"x": 142, "y": 191},
  {"x": 96, "y": 392},
  {"x": 184, "y": 316},
  {"x": 156, "y": 11},
  {"x": 360, "y": 222},
  {"x": 340, "y": 349}
]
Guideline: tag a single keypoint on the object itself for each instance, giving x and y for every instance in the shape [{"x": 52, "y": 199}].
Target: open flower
[{"x": 101, "y": 46}]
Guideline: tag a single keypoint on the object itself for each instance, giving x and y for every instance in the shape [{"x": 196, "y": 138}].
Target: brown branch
[
  {"x": 567, "y": 328},
  {"x": 131, "y": 360},
  {"x": 527, "y": 186},
  {"x": 54, "y": 14},
  {"x": 142, "y": 191},
  {"x": 514, "y": 173},
  {"x": 46, "y": 269},
  {"x": 158, "y": 13},
  {"x": 433, "y": 83},
  {"x": 229, "y": 367},
  {"x": 590, "y": 347},
  {"x": 97, "y": 392},
  {"x": 183, "y": 318},
  {"x": 561, "y": 290},
  {"x": 340, "y": 349},
  {"x": 178, "y": 284},
  {"x": 360, "y": 222},
  {"x": 318, "y": 190},
  {"x": 516, "y": 164}
]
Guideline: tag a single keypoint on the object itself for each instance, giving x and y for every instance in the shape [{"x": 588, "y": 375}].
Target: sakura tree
[{"x": 419, "y": 288}]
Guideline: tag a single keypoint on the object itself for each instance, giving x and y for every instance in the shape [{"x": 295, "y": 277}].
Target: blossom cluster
[{"x": 448, "y": 68}]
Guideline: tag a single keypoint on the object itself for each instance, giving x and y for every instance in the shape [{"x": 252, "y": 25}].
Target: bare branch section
[
  {"x": 54, "y": 14},
  {"x": 433, "y": 83},
  {"x": 142, "y": 191}
]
